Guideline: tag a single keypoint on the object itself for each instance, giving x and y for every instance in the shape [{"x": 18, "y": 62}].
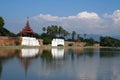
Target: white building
[
  {"x": 56, "y": 42},
  {"x": 30, "y": 41}
]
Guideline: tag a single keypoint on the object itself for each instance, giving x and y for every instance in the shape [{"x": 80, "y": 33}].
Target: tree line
[
  {"x": 54, "y": 31},
  {"x": 109, "y": 41},
  {"x": 49, "y": 33},
  {"x": 4, "y": 31}
]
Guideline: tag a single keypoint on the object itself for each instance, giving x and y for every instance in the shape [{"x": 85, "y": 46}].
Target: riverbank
[{"x": 20, "y": 47}]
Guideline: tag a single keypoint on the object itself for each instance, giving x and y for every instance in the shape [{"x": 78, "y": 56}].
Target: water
[{"x": 60, "y": 64}]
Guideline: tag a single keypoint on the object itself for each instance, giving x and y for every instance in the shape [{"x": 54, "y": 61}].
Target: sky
[{"x": 100, "y": 17}]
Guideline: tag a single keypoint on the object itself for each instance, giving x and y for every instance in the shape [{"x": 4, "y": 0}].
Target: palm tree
[
  {"x": 44, "y": 29},
  {"x": 48, "y": 30},
  {"x": 60, "y": 31},
  {"x": 85, "y": 35},
  {"x": 73, "y": 35},
  {"x": 66, "y": 33}
]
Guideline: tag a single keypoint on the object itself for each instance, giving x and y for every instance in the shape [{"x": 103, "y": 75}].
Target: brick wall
[
  {"x": 68, "y": 43},
  {"x": 6, "y": 41}
]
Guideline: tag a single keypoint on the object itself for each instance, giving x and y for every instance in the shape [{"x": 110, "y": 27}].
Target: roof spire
[
  {"x": 27, "y": 18},
  {"x": 27, "y": 29}
]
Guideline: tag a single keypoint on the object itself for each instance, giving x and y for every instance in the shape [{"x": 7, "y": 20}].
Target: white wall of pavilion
[
  {"x": 56, "y": 42},
  {"x": 30, "y": 41}
]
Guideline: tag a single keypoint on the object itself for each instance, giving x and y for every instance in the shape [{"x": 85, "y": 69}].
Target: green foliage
[
  {"x": 47, "y": 40},
  {"x": 73, "y": 35},
  {"x": 59, "y": 45},
  {"x": 51, "y": 32},
  {"x": 89, "y": 41},
  {"x": 70, "y": 44},
  {"x": 55, "y": 31},
  {"x": 44, "y": 29},
  {"x": 109, "y": 41},
  {"x": 4, "y": 31},
  {"x": 17, "y": 43},
  {"x": 45, "y": 36},
  {"x": 37, "y": 36},
  {"x": 1, "y": 22}
]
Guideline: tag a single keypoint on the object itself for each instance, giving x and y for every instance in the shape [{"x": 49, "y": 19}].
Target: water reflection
[
  {"x": 109, "y": 52},
  {"x": 59, "y": 63},
  {"x": 57, "y": 53},
  {"x": 29, "y": 52}
]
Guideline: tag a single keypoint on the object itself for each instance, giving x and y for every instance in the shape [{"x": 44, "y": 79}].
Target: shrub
[
  {"x": 17, "y": 43},
  {"x": 59, "y": 45},
  {"x": 70, "y": 44}
]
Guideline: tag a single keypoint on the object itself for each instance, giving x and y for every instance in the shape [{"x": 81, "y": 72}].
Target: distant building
[
  {"x": 29, "y": 41},
  {"x": 57, "y": 42},
  {"x": 27, "y": 32}
]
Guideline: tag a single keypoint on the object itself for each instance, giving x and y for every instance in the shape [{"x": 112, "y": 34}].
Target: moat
[{"x": 60, "y": 64}]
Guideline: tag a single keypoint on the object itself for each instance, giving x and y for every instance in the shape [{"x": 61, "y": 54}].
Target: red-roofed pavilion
[{"x": 27, "y": 31}]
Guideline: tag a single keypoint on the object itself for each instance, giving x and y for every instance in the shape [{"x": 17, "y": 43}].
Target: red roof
[{"x": 27, "y": 29}]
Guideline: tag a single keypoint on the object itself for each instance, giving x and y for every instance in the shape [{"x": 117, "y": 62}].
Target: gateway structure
[
  {"x": 56, "y": 42},
  {"x": 27, "y": 33},
  {"x": 29, "y": 41}
]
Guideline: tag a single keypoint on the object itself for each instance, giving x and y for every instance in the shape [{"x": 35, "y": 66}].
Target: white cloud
[
  {"x": 87, "y": 15},
  {"x": 82, "y": 15},
  {"x": 83, "y": 22},
  {"x": 116, "y": 17}
]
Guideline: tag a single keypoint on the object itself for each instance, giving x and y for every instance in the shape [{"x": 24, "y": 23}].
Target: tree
[
  {"x": 78, "y": 37},
  {"x": 109, "y": 41},
  {"x": 73, "y": 35},
  {"x": 48, "y": 30},
  {"x": 66, "y": 33},
  {"x": 4, "y": 31},
  {"x": 1, "y": 22},
  {"x": 60, "y": 31},
  {"x": 44, "y": 29},
  {"x": 54, "y": 31},
  {"x": 84, "y": 35}
]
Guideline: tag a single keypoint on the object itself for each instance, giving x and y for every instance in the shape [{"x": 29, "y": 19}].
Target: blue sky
[{"x": 15, "y": 12}]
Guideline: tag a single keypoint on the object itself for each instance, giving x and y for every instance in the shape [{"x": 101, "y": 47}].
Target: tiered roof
[{"x": 27, "y": 29}]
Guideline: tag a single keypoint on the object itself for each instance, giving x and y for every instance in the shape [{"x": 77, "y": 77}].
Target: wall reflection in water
[
  {"x": 29, "y": 52},
  {"x": 59, "y": 63},
  {"x": 57, "y": 53}
]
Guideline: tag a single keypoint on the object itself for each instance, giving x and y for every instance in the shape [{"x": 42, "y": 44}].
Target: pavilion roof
[{"x": 27, "y": 29}]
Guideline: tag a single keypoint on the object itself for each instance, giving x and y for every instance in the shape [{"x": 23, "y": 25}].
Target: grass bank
[{"x": 20, "y": 47}]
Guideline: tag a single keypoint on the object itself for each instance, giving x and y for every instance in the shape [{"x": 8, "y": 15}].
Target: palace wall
[
  {"x": 10, "y": 41},
  {"x": 6, "y": 41},
  {"x": 70, "y": 43}
]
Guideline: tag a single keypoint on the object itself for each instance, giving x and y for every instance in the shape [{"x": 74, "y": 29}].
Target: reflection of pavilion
[
  {"x": 57, "y": 52},
  {"x": 26, "y": 57},
  {"x": 29, "y": 52}
]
